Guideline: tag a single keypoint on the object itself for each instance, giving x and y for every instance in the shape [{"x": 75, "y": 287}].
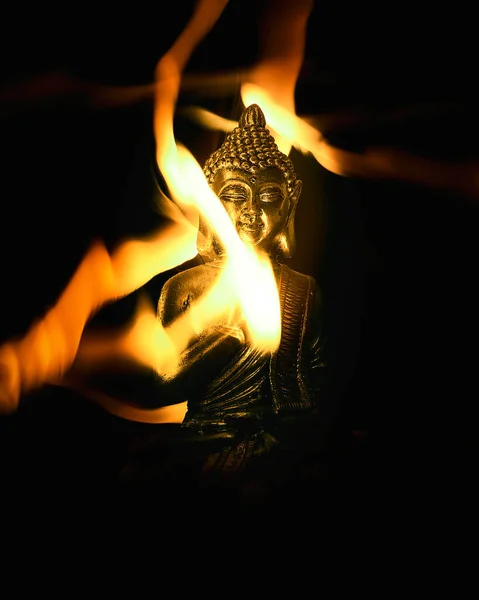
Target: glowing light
[{"x": 258, "y": 294}]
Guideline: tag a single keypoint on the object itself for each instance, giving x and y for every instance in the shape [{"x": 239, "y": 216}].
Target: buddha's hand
[
  {"x": 233, "y": 331},
  {"x": 203, "y": 361}
]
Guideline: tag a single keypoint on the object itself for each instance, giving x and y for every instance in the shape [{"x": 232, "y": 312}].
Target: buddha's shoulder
[
  {"x": 180, "y": 290},
  {"x": 196, "y": 278}
]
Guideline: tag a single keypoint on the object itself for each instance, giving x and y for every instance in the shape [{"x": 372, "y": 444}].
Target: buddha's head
[{"x": 257, "y": 185}]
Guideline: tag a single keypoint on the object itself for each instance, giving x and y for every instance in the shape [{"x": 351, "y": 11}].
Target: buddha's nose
[
  {"x": 251, "y": 209},
  {"x": 250, "y": 214}
]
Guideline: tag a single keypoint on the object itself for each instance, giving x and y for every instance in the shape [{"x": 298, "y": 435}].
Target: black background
[{"x": 397, "y": 261}]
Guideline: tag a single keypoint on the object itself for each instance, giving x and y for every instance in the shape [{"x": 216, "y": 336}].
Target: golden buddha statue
[{"x": 243, "y": 404}]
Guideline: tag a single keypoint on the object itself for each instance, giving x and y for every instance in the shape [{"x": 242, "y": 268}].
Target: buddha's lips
[{"x": 257, "y": 227}]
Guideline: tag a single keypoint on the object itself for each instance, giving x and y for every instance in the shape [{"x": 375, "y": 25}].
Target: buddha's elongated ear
[{"x": 286, "y": 240}]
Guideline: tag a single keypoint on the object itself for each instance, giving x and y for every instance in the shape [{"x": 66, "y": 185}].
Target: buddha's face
[{"x": 258, "y": 205}]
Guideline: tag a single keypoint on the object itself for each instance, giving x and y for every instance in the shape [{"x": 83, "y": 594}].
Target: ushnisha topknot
[{"x": 251, "y": 148}]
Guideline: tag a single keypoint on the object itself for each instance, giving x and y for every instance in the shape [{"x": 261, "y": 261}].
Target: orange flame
[
  {"x": 283, "y": 38},
  {"x": 271, "y": 83},
  {"x": 372, "y": 163}
]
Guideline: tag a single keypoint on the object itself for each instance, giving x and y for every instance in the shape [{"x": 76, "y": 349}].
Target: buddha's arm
[
  {"x": 206, "y": 341},
  {"x": 200, "y": 364}
]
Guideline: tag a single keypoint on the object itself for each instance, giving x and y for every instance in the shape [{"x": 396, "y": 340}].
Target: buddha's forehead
[{"x": 268, "y": 175}]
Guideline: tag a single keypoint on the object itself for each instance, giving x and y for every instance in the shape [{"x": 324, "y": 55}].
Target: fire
[
  {"x": 258, "y": 294},
  {"x": 247, "y": 289},
  {"x": 52, "y": 344}
]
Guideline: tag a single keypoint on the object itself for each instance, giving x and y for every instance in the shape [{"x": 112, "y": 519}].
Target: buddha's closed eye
[
  {"x": 234, "y": 193},
  {"x": 270, "y": 196}
]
